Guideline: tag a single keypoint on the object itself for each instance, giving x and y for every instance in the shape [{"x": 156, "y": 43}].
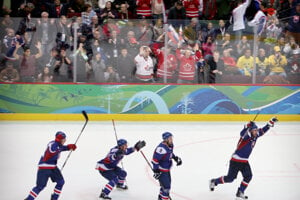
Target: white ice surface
[{"x": 205, "y": 148}]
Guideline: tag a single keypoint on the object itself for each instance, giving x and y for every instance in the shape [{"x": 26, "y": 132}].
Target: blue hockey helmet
[
  {"x": 253, "y": 127},
  {"x": 166, "y": 135},
  {"x": 60, "y": 136},
  {"x": 121, "y": 142}
]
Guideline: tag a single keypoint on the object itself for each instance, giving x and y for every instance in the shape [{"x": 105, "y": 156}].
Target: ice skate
[
  {"x": 240, "y": 195},
  {"x": 104, "y": 196},
  {"x": 122, "y": 187},
  {"x": 212, "y": 185}
]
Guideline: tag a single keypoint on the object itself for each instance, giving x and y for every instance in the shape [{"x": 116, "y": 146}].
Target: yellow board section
[{"x": 144, "y": 117}]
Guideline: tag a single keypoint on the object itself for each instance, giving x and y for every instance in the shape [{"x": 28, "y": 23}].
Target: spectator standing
[
  {"x": 82, "y": 63},
  {"x": 57, "y": 9},
  {"x": 191, "y": 8},
  {"x": 144, "y": 65},
  {"x": 294, "y": 24},
  {"x": 87, "y": 15},
  {"x": 51, "y": 60},
  {"x": 113, "y": 48},
  {"x": 9, "y": 42},
  {"x": 187, "y": 65},
  {"x": 63, "y": 71},
  {"x": 157, "y": 9},
  {"x": 158, "y": 30},
  {"x": 170, "y": 64},
  {"x": 125, "y": 66},
  {"x": 177, "y": 15},
  {"x": 144, "y": 9},
  {"x": 208, "y": 47},
  {"x": 190, "y": 31},
  {"x": 27, "y": 64},
  {"x": 124, "y": 13},
  {"x": 46, "y": 32},
  {"x": 209, "y": 9},
  {"x": 238, "y": 18},
  {"x": 98, "y": 67},
  {"x": 109, "y": 12}
]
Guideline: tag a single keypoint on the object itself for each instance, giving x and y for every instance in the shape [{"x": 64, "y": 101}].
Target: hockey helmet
[
  {"x": 60, "y": 136},
  {"x": 121, "y": 142},
  {"x": 253, "y": 127},
  {"x": 166, "y": 135}
]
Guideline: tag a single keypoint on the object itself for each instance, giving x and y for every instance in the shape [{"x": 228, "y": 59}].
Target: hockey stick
[
  {"x": 146, "y": 159},
  {"x": 256, "y": 115},
  {"x": 86, "y": 121},
  {"x": 113, "y": 121}
]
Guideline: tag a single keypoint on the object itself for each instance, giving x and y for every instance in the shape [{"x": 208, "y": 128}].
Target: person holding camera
[{"x": 277, "y": 63}]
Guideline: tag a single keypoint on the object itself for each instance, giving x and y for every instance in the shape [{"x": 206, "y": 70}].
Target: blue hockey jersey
[
  {"x": 112, "y": 159},
  {"x": 51, "y": 155},
  {"x": 162, "y": 157},
  {"x": 246, "y": 144}
]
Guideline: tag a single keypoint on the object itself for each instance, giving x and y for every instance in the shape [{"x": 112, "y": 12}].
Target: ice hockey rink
[{"x": 205, "y": 148}]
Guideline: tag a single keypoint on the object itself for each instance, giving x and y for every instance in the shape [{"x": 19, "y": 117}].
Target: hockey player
[
  {"x": 162, "y": 163},
  {"x": 47, "y": 167},
  {"x": 239, "y": 160},
  {"x": 108, "y": 166}
]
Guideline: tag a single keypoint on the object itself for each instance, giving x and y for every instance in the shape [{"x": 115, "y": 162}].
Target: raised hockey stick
[
  {"x": 113, "y": 121},
  {"x": 86, "y": 121},
  {"x": 256, "y": 115}
]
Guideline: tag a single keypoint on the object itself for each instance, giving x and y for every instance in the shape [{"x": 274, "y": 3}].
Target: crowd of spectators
[{"x": 209, "y": 41}]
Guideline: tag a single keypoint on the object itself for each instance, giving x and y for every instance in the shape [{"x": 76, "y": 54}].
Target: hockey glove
[
  {"x": 177, "y": 160},
  {"x": 72, "y": 146},
  {"x": 139, "y": 145},
  {"x": 156, "y": 174},
  {"x": 272, "y": 121}
]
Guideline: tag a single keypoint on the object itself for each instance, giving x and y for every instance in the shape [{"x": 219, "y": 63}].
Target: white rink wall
[{"x": 205, "y": 148}]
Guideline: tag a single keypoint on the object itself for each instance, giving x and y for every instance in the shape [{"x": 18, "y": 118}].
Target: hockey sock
[
  {"x": 109, "y": 187},
  {"x": 34, "y": 193},
  {"x": 56, "y": 193},
  {"x": 121, "y": 182},
  {"x": 164, "y": 194},
  {"x": 243, "y": 186},
  {"x": 58, "y": 188},
  {"x": 219, "y": 180}
]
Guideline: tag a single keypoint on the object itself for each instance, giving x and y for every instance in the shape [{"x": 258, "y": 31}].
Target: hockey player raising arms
[
  {"x": 239, "y": 159},
  {"x": 47, "y": 167},
  {"x": 108, "y": 166},
  {"x": 162, "y": 163}
]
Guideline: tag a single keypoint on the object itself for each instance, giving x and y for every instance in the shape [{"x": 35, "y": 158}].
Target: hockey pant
[
  {"x": 165, "y": 185},
  {"x": 234, "y": 168},
  {"x": 42, "y": 178},
  {"x": 115, "y": 176}
]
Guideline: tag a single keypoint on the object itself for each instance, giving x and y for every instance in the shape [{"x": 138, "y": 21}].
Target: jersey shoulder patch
[{"x": 161, "y": 150}]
